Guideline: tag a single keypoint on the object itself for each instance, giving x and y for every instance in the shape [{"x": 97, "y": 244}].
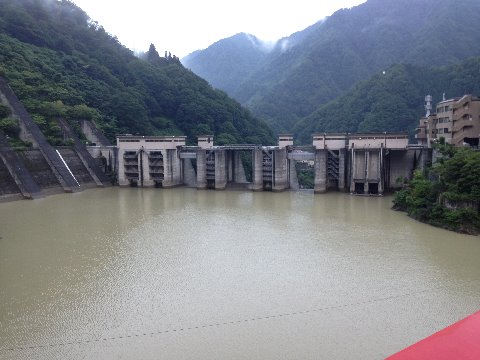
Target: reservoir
[{"x": 124, "y": 273}]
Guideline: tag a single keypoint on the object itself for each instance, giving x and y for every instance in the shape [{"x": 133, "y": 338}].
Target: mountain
[
  {"x": 227, "y": 62},
  {"x": 313, "y": 67},
  {"x": 392, "y": 100},
  {"x": 62, "y": 63}
]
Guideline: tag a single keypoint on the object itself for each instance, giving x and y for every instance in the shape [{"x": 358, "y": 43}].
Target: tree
[
  {"x": 10, "y": 127},
  {"x": 4, "y": 111},
  {"x": 152, "y": 55}
]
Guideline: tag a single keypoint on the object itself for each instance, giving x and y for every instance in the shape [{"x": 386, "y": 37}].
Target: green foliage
[
  {"x": 225, "y": 139},
  {"x": 18, "y": 144},
  {"x": 452, "y": 199},
  {"x": 445, "y": 149},
  {"x": 52, "y": 109},
  {"x": 61, "y": 63},
  {"x": 83, "y": 112},
  {"x": 460, "y": 176},
  {"x": 4, "y": 111},
  {"x": 10, "y": 127}
]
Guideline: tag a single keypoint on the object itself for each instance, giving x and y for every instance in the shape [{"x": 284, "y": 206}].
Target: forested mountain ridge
[
  {"x": 227, "y": 62},
  {"x": 392, "y": 100},
  {"x": 61, "y": 63},
  {"x": 353, "y": 44}
]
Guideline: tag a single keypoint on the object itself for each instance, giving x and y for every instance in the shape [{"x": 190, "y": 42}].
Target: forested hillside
[
  {"x": 392, "y": 100},
  {"x": 61, "y": 63},
  {"x": 313, "y": 67}
]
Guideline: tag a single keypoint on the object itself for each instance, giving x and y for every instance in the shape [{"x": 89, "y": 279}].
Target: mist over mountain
[
  {"x": 60, "y": 63},
  {"x": 321, "y": 63}
]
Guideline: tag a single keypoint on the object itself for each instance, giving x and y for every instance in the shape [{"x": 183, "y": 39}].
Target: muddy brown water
[{"x": 186, "y": 274}]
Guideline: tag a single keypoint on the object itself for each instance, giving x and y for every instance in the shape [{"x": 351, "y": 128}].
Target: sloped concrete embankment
[{"x": 31, "y": 132}]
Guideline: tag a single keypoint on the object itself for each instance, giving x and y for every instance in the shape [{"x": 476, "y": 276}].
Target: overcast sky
[{"x": 183, "y": 26}]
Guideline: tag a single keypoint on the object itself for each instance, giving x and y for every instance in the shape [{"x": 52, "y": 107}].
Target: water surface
[{"x": 185, "y": 274}]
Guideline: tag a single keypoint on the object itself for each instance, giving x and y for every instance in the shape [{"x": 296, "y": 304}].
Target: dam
[{"x": 362, "y": 164}]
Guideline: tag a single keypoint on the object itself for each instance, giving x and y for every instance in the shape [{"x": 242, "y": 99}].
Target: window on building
[{"x": 446, "y": 131}]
